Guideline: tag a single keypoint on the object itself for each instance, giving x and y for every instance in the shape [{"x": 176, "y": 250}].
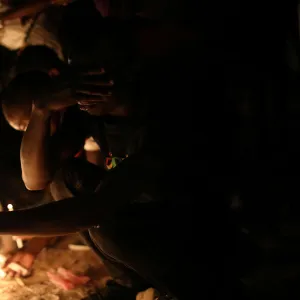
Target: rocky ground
[{"x": 38, "y": 286}]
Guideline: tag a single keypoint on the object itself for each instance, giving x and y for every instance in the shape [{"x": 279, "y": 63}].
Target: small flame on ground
[
  {"x": 3, "y": 259},
  {"x": 19, "y": 241}
]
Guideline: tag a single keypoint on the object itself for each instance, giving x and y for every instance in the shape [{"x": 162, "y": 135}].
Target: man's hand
[
  {"x": 94, "y": 91},
  {"x": 55, "y": 100},
  {"x": 52, "y": 94}
]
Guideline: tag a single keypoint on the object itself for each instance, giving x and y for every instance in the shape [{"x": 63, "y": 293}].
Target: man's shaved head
[
  {"x": 38, "y": 58},
  {"x": 18, "y": 96}
]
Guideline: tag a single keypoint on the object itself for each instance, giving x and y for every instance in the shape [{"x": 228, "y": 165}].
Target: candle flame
[
  {"x": 3, "y": 260},
  {"x": 10, "y": 207},
  {"x": 2, "y": 274}
]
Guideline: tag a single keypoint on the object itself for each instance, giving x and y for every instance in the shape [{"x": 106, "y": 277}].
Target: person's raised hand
[
  {"x": 94, "y": 90},
  {"x": 53, "y": 94},
  {"x": 55, "y": 100}
]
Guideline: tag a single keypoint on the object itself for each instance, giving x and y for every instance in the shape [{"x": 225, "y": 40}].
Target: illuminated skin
[
  {"x": 86, "y": 211},
  {"x": 39, "y": 163},
  {"x": 34, "y": 246},
  {"x": 21, "y": 125},
  {"x": 27, "y": 256},
  {"x": 39, "y": 124},
  {"x": 96, "y": 104},
  {"x": 29, "y": 9},
  {"x": 75, "y": 214},
  {"x": 17, "y": 125}
]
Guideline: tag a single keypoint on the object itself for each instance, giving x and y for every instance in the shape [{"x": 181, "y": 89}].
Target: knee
[
  {"x": 76, "y": 177},
  {"x": 58, "y": 187}
]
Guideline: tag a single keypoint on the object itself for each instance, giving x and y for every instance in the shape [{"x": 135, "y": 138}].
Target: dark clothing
[
  {"x": 116, "y": 136},
  {"x": 149, "y": 236},
  {"x": 140, "y": 245}
]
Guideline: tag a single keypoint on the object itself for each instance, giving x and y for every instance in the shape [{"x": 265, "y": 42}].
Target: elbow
[
  {"x": 33, "y": 188},
  {"x": 34, "y": 185}
]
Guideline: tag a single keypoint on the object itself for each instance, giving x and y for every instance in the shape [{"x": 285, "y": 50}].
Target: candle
[
  {"x": 7, "y": 243},
  {"x": 10, "y": 207},
  {"x": 19, "y": 241}
]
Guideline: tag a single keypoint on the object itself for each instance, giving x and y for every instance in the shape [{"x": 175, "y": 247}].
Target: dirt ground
[{"x": 38, "y": 286}]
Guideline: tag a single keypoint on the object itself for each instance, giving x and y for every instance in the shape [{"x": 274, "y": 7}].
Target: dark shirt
[{"x": 116, "y": 136}]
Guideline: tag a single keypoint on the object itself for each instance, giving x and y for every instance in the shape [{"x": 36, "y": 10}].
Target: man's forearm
[
  {"x": 123, "y": 185},
  {"x": 35, "y": 160},
  {"x": 54, "y": 219}
]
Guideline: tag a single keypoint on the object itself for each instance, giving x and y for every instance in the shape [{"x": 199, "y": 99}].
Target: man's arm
[
  {"x": 54, "y": 219},
  {"x": 40, "y": 152},
  {"x": 124, "y": 185},
  {"x": 35, "y": 159}
]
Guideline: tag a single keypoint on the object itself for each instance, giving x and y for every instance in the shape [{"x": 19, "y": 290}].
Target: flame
[
  {"x": 3, "y": 259},
  {"x": 19, "y": 241},
  {"x": 2, "y": 274}
]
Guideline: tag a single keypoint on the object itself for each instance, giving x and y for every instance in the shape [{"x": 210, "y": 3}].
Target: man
[
  {"x": 67, "y": 138},
  {"x": 135, "y": 204},
  {"x": 141, "y": 203},
  {"x": 132, "y": 219}
]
